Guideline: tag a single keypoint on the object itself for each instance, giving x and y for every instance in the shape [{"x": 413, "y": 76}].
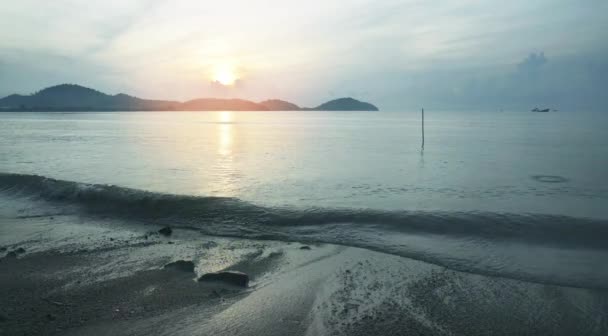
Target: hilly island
[{"x": 70, "y": 97}]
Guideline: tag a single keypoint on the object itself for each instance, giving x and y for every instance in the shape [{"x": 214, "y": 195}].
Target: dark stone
[
  {"x": 305, "y": 247},
  {"x": 181, "y": 265},
  {"x": 229, "y": 277},
  {"x": 166, "y": 231},
  {"x": 20, "y": 250},
  {"x": 11, "y": 254},
  {"x": 2, "y": 249},
  {"x": 50, "y": 317}
]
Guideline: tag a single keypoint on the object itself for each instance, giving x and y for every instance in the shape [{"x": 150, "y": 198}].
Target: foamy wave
[
  {"x": 385, "y": 231},
  {"x": 212, "y": 211}
]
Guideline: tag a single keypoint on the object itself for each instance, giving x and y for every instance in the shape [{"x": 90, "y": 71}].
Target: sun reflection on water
[
  {"x": 225, "y": 117},
  {"x": 225, "y": 134},
  {"x": 224, "y": 167}
]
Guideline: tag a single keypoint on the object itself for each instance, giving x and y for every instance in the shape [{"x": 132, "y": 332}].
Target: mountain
[
  {"x": 76, "y": 97},
  {"x": 346, "y": 104},
  {"x": 70, "y": 97},
  {"x": 214, "y": 104},
  {"x": 279, "y": 105}
]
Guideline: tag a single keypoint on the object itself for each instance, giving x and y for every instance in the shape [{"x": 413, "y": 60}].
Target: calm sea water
[
  {"x": 554, "y": 163},
  {"x": 519, "y": 195}
]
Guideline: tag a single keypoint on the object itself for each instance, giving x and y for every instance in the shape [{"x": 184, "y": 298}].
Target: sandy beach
[{"x": 80, "y": 275}]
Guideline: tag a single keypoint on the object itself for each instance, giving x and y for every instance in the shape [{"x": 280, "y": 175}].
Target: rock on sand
[
  {"x": 181, "y": 265},
  {"x": 230, "y": 277}
]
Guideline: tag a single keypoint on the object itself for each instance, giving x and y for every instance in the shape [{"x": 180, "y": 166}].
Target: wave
[
  {"x": 367, "y": 228},
  {"x": 212, "y": 211}
]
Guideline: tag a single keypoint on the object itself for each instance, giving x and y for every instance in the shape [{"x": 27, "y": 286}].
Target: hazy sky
[{"x": 441, "y": 53}]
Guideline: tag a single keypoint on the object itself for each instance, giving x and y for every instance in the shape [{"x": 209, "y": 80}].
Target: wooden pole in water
[{"x": 423, "y": 128}]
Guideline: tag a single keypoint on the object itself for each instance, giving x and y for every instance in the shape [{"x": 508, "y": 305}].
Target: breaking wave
[{"x": 367, "y": 228}]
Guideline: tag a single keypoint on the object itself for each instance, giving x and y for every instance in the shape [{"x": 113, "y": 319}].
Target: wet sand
[{"x": 85, "y": 276}]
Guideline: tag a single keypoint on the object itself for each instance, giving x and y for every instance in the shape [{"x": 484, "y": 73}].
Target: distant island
[{"x": 70, "y": 97}]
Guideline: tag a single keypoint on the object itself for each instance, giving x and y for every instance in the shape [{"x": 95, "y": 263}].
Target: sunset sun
[{"x": 224, "y": 75}]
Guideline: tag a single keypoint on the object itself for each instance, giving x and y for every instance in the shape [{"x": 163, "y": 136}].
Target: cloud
[
  {"x": 396, "y": 53},
  {"x": 532, "y": 63}
]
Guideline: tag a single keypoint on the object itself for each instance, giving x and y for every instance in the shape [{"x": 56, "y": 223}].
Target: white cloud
[{"x": 299, "y": 49}]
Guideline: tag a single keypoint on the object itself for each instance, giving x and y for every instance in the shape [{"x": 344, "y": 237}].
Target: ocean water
[{"x": 515, "y": 194}]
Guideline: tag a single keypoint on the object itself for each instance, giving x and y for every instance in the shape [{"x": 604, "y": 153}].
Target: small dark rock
[
  {"x": 20, "y": 250},
  {"x": 11, "y": 254},
  {"x": 230, "y": 277},
  {"x": 305, "y": 247},
  {"x": 181, "y": 265},
  {"x": 2, "y": 249},
  {"x": 166, "y": 231},
  {"x": 50, "y": 317}
]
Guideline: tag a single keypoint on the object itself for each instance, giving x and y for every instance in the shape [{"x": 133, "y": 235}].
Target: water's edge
[{"x": 383, "y": 231}]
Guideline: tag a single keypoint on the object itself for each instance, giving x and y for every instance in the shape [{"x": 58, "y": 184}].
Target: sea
[{"x": 511, "y": 194}]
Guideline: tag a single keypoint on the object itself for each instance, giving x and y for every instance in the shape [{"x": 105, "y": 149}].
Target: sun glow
[{"x": 225, "y": 75}]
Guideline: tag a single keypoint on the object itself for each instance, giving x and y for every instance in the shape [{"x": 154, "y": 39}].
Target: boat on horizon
[{"x": 536, "y": 109}]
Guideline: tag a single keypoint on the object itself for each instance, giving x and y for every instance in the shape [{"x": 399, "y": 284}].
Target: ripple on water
[{"x": 549, "y": 178}]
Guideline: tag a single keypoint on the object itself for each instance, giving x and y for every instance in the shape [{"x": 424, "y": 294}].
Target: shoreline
[{"x": 97, "y": 277}]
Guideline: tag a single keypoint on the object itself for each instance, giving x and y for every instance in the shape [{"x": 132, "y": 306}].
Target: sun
[{"x": 225, "y": 75}]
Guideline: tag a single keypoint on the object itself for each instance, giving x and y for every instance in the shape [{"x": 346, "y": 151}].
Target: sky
[{"x": 396, "y": 54}]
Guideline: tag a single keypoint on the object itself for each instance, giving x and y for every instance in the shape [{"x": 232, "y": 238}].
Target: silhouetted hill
[
  {"x": 70, "y": 97},
  {"x": 13, "y": 100},
  {"x": 76, "y": 97},
  {"x": 279, "y": 105},
  {"x": 214, "y": 104},
  {"x": 346, "y": 104}
]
